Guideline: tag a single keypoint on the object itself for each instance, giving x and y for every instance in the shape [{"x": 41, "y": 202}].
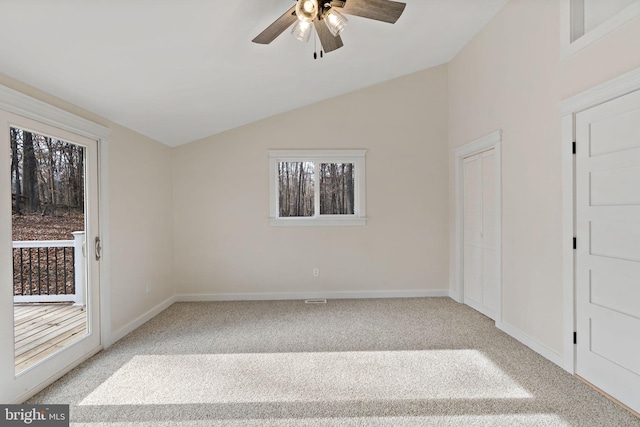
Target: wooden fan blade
[
  {"x": 277, "y": 28},
  {"x": 380, "y": 10},
  {"x": 328, "y": 40}
]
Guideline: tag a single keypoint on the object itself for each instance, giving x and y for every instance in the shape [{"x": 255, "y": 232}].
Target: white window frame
[
  {"x": 572, "y": 24},
  {"x": 357, "y": 157}
]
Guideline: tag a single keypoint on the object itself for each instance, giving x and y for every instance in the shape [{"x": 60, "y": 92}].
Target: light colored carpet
[{"x": 392, "y": 362}]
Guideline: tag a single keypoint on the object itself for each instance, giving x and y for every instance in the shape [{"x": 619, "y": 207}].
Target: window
[
  {"x": 585, "y": 21},
  {"x": 317, "y": 187}
]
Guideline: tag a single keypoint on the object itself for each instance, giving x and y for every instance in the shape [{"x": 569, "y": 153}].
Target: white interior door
[
  {"x": 479, "y": 232},
  {"x": 17, "y": 383},
  {"x": 608, "y": 247}
]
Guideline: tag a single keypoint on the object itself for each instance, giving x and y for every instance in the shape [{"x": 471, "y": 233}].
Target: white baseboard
[
  {"x": 309, "y": 295},
  {"x": 454, "y": 296},
  {"x": 139, "y": 321},
  {"x": 533, "y": 344}
]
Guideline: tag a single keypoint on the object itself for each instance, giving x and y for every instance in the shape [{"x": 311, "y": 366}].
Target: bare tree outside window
[
  {"x": 47, "y": 174},
  {"x": 337, "y": 188},
  {"x": 296, "y": 189},
  {"x": 47, "y": 187}
]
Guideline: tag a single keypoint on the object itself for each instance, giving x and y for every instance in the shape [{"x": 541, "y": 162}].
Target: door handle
[{"x": 98, "y": 246}]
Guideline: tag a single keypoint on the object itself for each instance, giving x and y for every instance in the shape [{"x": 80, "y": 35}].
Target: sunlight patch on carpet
[
  {"x": 522, "y": 420},
  {"x": 305, "y": 377}
]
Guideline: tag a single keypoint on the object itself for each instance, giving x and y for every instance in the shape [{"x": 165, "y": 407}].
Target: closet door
[
  {"x": 490, "y": 297},
  {"x": 480, "y": 253}
]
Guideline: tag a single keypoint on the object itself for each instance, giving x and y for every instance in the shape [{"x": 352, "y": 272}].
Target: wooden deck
[{"x": 43, "y": 329}]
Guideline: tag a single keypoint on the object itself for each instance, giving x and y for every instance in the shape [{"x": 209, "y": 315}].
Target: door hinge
[
  {"x": 574, "y": 147},
  {"x": 575, "y": 243},
  {"x": 575, "y": 338}
]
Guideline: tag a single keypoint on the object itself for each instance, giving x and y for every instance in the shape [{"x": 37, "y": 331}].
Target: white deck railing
[{"x": 79, "y": 274}]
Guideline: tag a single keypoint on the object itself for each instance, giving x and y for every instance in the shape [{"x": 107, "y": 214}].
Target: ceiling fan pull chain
[
  {"x": 315, "y": 54},
  {"x": 315, "y": 47}
]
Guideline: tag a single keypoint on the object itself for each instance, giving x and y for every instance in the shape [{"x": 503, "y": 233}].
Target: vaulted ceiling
[{"x": 180, "y": 70}]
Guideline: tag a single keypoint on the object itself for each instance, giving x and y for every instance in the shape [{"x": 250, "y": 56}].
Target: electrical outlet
[
  {"x": 316, "y": 272},
  {"x": 148, "y": 287}
]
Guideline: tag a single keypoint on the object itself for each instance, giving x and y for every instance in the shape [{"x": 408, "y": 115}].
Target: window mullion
[
  {"x": 316, "y": 189},
  {"x": 275, "y": 186}
]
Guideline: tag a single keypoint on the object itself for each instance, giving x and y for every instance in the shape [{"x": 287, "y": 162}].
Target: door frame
[
  {"x": 487, "y": 142},
  {"x": 604, "y": 92},
  {"x": 18, "y": 103}
]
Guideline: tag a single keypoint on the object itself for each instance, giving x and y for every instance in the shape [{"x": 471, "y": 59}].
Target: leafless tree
[
  {"x": 15, "y": 172},
  {"x": 30, "y": 173},
  {"x": 46, "y": 172},
  {"x": 296, "y": 181}
]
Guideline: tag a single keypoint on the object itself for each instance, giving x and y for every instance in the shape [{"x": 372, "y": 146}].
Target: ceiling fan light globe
[
  {"x": 301, "y": 30},
  {"x": 335, "y": 21},
  {"x": 308, "y": 6},
  {"x": 307, "y": 10}
]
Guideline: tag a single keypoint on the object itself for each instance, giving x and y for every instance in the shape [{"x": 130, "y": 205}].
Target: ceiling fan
[{"x": 325, "y": 17}]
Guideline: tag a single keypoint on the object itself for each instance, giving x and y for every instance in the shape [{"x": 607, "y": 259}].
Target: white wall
[
  {"x": 141, "y": 224},
  {"x": 510, "y": 77},
  {"x": 597, "y": 11},
  {"x": 225, "y": 245},
  {"x": 140, "y": 213}
]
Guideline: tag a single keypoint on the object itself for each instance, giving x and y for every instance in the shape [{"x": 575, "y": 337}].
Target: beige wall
[
  {"x": 141, "y": 223},
  {"x": 510, "y": 77},
  {"x": 140, "y": 214},
  {"x": 223, "y": 240},
  {"x": 615, "y": 54}
]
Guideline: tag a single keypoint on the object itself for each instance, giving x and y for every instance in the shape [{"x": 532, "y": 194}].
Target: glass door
[{"x": 51, "y": 271}]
